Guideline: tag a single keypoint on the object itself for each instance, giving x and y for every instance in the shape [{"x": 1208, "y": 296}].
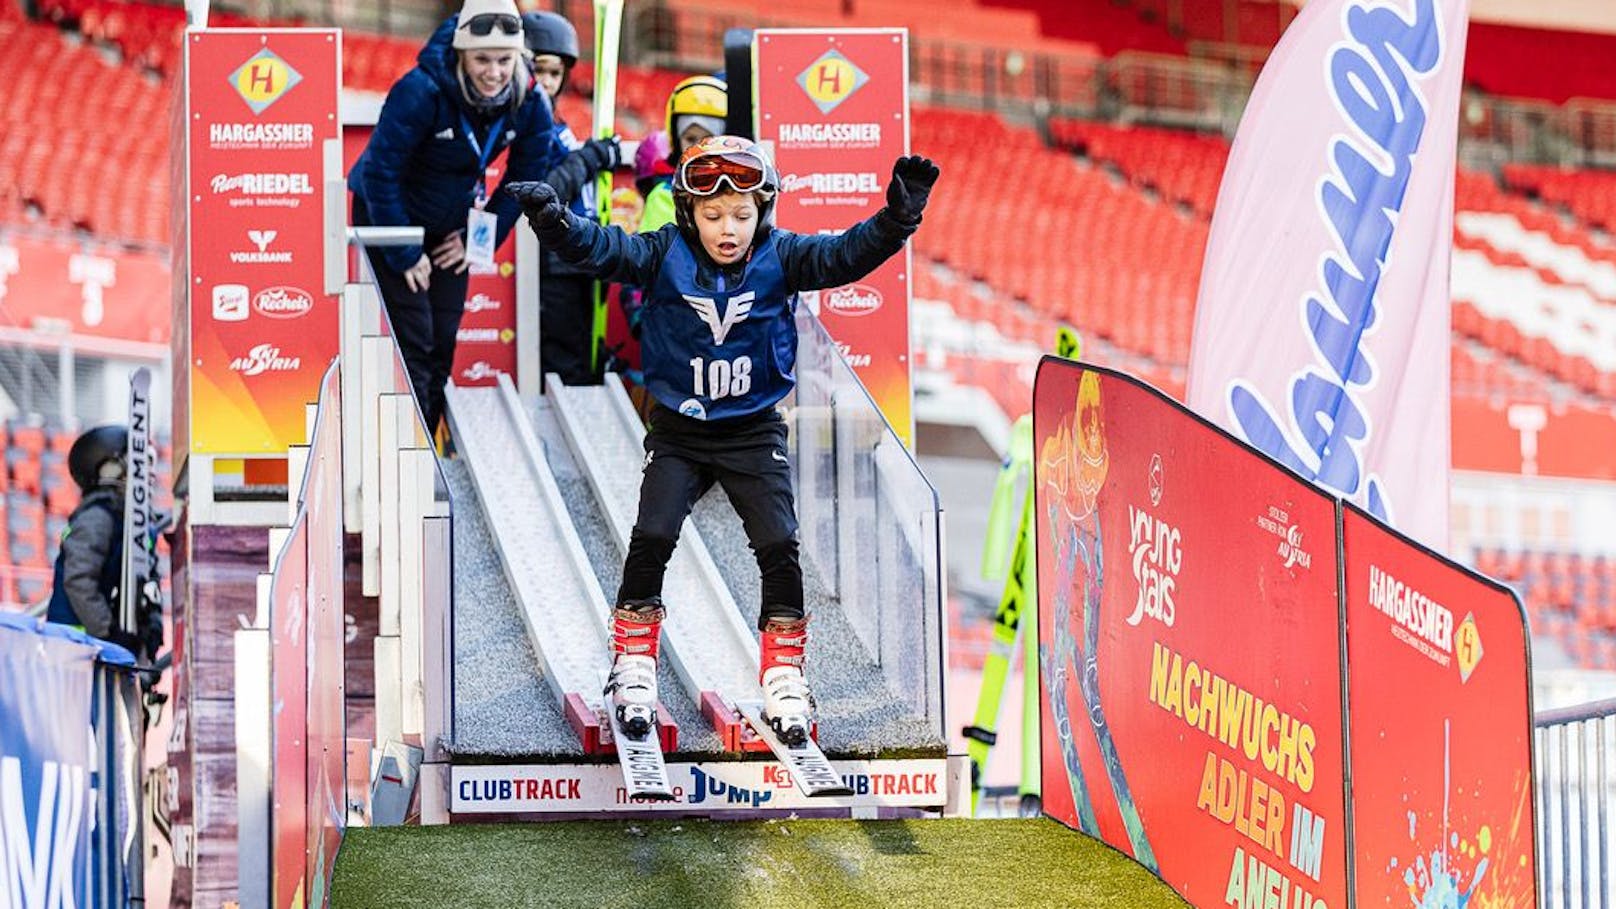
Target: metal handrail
[{"x": 1574, "y": 795}]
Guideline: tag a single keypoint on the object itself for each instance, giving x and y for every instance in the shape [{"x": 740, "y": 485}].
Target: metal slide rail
[
  {"x": 549, "y": 571},
  {"x": 1575, "y": 804},
  {"x": 712, "y": 649}
]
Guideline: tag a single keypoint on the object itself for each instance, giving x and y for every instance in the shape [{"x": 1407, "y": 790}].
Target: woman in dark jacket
[{"x": 468, "y": 98}]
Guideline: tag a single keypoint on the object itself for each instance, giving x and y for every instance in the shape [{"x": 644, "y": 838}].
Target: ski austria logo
[
  {"x": 264, "y": 358},
  {"x": 283, "y": 302},
  {"x": 1156, "y": 553},
  {"x": 830, "y": 80},
  {"x": 264, "y": 79},
  {"x": 1278, "y": 522},
  {"x": 853, "y": 300},
  {"x": 1370, "y": 162}
]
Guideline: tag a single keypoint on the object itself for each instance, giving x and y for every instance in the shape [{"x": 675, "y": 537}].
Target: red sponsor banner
[
  {"x": 1534, "y": 438},
  {"x": 260, "y": 105},
  {"x": 1441, "y": 726},
  {"x": 834, "y": 103},
  {"x": 1187, "y": 719},
  {"x": 327, "y": 723},
  {"x": 64, "y": 286},
  {"x": 289, "y": 652},
  {"x": 486, "y": 341}
]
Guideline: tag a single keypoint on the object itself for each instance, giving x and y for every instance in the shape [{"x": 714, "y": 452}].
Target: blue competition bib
[{"x": 724, "y": 353}]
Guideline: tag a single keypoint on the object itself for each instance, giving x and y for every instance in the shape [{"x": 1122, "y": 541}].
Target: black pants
[
  {"x": 747, "y": 457},
  {"x": 567, "y": 328},
  {"x": 425, "y": 322}
]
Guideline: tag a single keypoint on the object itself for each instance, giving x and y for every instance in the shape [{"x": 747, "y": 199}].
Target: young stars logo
[
  {"x": 264, "y": 79},
  {"x": 830, "y": 80}
]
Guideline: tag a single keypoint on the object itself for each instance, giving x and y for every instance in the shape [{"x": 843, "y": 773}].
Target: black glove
[
  {"x": 605, "y": 154},
  {"x": 151, "y": 635},
  {"x": 542, "y": 206},
  {"x": 125, "y": 640},
  {"x": 912, "y": 179}
]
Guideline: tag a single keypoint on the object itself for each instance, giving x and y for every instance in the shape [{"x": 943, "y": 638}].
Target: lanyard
[{"x": 483, "y": 153}]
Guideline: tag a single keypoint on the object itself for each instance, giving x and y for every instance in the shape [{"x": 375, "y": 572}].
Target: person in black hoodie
[
  {"x": 85, "y": 592},
  {"x": 469, "y": 97}
]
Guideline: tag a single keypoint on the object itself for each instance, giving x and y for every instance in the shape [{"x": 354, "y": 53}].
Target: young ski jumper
[{"x": 719, "y": 344}]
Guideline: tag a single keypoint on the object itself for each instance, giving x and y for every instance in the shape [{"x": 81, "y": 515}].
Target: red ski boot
[
  {"x": 787, "y": 704},
  {"x": 632, "y": 686}
]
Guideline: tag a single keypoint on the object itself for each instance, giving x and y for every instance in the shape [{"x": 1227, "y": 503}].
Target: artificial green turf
[{"x": 745, "y": 865}]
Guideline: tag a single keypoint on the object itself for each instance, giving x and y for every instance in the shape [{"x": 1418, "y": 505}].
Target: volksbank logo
[
  {"x": 830, "y": 80},
  {"x": 264, "y": 79}
]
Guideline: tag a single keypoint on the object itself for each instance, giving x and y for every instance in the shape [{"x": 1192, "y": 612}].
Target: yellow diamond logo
[
  {"x": 506, "y": 269},
  {"x": 264, "y": 79},
  {"x": 830, "y": 80},
  {"x": 506, "y": 335},
  {"x": 1467, "y": 647}
]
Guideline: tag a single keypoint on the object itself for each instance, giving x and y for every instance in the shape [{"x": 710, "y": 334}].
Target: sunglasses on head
[
  {"x": 742, "y": 170},
  {"x": 483, "y": 24}
]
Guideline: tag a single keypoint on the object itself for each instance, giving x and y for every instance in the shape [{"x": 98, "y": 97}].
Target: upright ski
[
  {"x": 608, "y": 38},
  {"x": 810, "y": 769}
]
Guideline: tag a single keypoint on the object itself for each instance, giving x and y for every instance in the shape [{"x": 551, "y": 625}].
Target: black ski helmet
[
  {"x": 545, "y": 32},
  {"x": 87, "y": 459},
  {"x": 684, "y": 199}
]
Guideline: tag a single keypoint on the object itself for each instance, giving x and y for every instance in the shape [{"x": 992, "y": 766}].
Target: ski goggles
[
  {"x": 705, "y": 174},
  {"x": 483, "y": 24}
]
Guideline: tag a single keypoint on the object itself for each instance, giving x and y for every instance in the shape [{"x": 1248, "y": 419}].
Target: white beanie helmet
[{"x": 490, "y": 18}]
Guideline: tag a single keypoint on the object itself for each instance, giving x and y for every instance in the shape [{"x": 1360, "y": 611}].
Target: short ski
[
  {"x": 809, "y": 767},
  {"x": 645, "y": 775}
]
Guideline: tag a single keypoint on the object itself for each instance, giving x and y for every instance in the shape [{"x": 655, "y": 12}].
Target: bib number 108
[{"x": 714, "y": 379}]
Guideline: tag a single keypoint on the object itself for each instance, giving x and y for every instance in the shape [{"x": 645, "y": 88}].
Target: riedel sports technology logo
[
  {"x": 264, "y": 79},
  {"x": 283, "y": 302},
  {"x": 864, "y": 182},
  {"x": 264, "y": 358},
  {"x": 1156, "y": 552},
  {"x": 262, "y": 184},
  {"x": 830, "y": 80},
  {"x": 853, "y": 300},
  {"x": 1290, "y": 549}
]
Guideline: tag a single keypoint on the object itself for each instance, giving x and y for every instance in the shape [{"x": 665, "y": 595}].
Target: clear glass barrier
[{"x": 871, "y": 522}]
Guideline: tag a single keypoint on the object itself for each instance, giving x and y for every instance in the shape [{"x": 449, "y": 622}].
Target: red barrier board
[
  {"x": 1189, "y": 653},
  {"x": 288, "y": 617},
  {"x": 834, "y": 103},
  {"x": 260, "y": 105},
  {"x": 66, "y": 286},
  {"x": 1440, "y": 731},
  {"x": 327, "y": 737}
]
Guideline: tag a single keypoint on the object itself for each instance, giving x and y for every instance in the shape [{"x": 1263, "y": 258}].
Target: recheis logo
[
  {"x": 481, "y": 302},
  {"x": 830, "y": 80},
  {"x": 264, "y": 79},
  {"x": 853, "y": 300},
  {"x": 283, "y": 302}
]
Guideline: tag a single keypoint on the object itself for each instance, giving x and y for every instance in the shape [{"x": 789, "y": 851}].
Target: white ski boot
[
  {"x": 632, "y": 686},
  {"x": 788, "y": 706}
]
